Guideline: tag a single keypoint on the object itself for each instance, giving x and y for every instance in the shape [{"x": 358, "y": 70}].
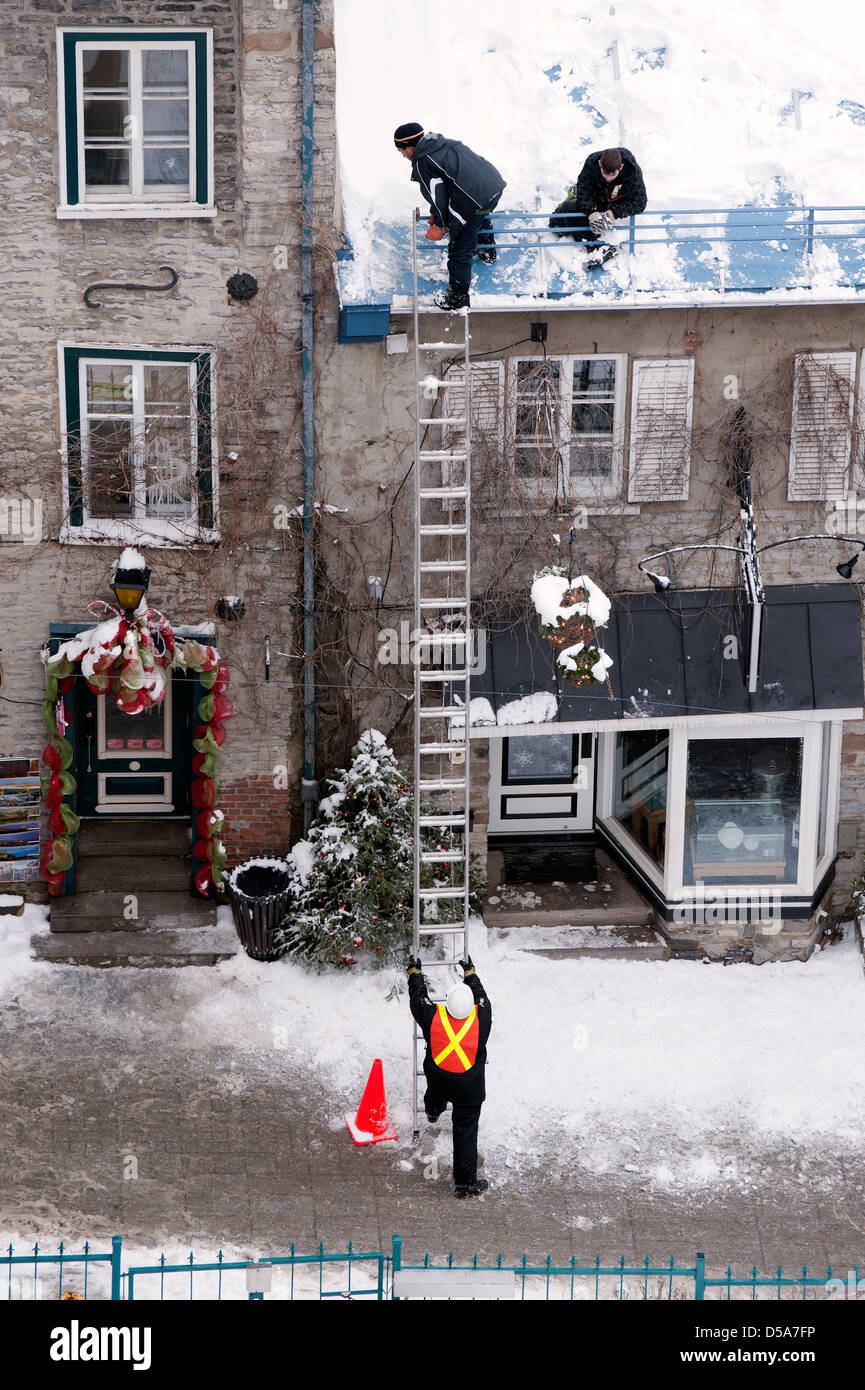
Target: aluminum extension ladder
[{"x": 442, "y": 588}]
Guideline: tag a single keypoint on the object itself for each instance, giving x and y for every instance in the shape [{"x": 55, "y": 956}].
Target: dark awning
[{"x": 669, "y": 660}]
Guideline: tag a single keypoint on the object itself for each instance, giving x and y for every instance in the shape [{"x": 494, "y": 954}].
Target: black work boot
[
  {"x": 487, "y": 254},
  {"x": 471, "y": 1189},
  {"x": 599, "y": 255},
  {"x": 452, "y": 299}
]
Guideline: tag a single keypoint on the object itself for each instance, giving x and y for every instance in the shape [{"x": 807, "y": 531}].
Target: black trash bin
[{"x": 259, "y": 892}]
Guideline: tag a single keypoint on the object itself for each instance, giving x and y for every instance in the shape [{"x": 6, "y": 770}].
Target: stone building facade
[{"x": 246, "y": 157}]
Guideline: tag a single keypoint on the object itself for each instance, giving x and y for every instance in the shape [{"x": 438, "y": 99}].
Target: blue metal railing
[
  {"x": 77, "y": 1259},
  {"x": 753, "y": 249}
]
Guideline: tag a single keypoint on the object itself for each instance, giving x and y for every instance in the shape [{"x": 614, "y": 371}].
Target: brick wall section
[{"x": 258, "y": 818}]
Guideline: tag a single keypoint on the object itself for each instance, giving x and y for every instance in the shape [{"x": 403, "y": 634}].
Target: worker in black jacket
[
  {"x": 456, "y": 1035},
  {"x": 609, "y": 189},
  {"x": 461, "y": 189}
]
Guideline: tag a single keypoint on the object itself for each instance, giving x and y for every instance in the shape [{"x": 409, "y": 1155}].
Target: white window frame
[
  {"x": 800, "y": 491},
  {"x": 680, "y": 492},
  {"x": 669, "y": 879},
  {"x": 582, "y": 489},
  {"x": 137, "y": 201},
  {"x": 158, "y": 531}
]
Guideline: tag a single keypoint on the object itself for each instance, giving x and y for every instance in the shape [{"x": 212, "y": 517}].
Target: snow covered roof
[
  {"x": 744, "y": 119},
  {"x": 668, "y": 661}
]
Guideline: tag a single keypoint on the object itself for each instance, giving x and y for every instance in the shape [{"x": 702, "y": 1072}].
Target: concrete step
[
  {"x": 596, "y": 943},
  {"x": 108, "y": 911},
  {"x": 134, "y": 837},
  {"x": 145, "y": 949},
  {"x": 133, "y": 873}
]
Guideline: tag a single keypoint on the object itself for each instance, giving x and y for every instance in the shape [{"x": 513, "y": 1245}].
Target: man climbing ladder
[{"x": 456, "y": 1035}]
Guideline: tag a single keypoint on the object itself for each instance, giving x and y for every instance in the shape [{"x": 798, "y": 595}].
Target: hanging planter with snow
[{"x": 570, "y": 612}]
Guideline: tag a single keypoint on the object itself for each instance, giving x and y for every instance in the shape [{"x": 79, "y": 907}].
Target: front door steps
[{"x": 132, "y": 903}]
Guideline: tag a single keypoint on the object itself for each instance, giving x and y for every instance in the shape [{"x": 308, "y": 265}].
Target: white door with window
[{"x": 542, "y": 783}]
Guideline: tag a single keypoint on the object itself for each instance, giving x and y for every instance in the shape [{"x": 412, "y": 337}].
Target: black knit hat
[{"x": 407, "y": 134}]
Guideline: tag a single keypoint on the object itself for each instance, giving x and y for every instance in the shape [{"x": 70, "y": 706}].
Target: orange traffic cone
[{"x": 371, "y": 1124}]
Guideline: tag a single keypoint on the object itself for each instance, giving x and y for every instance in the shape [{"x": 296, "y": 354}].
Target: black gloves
[
  {"x": 468, "y": 968},
  {"x": 414, "y": 966}
]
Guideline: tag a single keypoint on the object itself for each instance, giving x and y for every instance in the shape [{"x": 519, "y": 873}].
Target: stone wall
[{"x": 49, "y": 262}]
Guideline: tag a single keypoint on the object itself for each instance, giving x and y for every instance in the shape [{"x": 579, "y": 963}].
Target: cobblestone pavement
[{"x": 225, "y": 1153}]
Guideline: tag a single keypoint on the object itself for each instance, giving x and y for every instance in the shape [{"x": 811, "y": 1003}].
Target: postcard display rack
[{"x": 20, "y": 802}]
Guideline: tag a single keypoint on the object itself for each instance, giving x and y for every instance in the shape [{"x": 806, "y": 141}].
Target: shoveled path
[{"x": 226, "y": 1153}]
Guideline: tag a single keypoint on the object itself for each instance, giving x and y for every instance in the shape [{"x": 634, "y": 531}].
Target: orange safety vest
[{"x": 454, "y": 1051}]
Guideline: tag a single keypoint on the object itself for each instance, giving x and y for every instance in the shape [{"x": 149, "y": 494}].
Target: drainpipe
[{"x": 309, "y": 786}]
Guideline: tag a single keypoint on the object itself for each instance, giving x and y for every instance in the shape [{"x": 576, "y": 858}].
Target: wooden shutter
[
  {"x": 661, "y": 412},
  {"x": 822, "y": 426},
  {"x": 487, "y": 406}
]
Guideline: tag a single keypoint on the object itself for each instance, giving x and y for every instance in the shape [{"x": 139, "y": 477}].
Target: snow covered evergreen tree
[{"x": 353, "y": 878}]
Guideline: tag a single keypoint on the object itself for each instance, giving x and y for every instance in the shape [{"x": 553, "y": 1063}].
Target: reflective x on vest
[{"x": 454, "y": 1051}]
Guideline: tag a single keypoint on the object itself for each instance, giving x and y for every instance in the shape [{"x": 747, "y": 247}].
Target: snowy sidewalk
[{"x": 633, "y": 1109}]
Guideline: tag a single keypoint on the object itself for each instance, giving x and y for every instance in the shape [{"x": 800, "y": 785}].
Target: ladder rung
[
  {"x": 441, "y": 931},
  {"x": 436, "y": 347},
  {"x": 450, "y": 674},
  {"x": 443, "y": 566},
  {"x": 438, "y": 964},
  {"x": 427, "y": 639},
  {"x": 444, "y": 603},
  {"x": 442, "y": 420},
  {"x": 427, "y": 493},
  {"x": 451, "y": 892},
  {"x": 442, "y": 857},
  {"x": 440, "y": 748},
  {"x": 428, "y": 455},
  {"x": 452, "y": 784},
  {"x": 443, "y": 712},
  {"x": 444, "y": 530},
  {"x": 457, "y": 821}
]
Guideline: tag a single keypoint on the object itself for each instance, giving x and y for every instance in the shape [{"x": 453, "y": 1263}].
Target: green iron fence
[
  {"x": 348, "y": 1274},
  {"x": 369, "y": 1274},
  {"x": 19, "y": 1267},
  {"x": 621, "y": 1281}
]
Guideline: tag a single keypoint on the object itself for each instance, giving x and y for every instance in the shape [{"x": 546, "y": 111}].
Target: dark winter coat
[
  {"x": 456, "y": 182},
  {"x": 624, "y": 197},
  {"x": 460, "y": 1088}
]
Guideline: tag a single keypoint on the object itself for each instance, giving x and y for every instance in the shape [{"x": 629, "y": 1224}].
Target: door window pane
[
  {"x": 142, "y": 735},
  {"x": 541, "y": 758},
  {"x": 640, "y": 788},
  {"x": 742, "y": 800}
]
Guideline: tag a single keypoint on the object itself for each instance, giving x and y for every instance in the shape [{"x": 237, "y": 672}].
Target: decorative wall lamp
[{"x": 130, "y": 577}]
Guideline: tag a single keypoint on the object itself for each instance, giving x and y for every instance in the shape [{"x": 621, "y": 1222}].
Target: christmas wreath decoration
[
  {"x": 131, "y": 657},
  {"x": 570, "y": 613}
]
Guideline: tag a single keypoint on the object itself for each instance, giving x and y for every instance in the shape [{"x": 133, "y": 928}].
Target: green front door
[{"x": 134, "y": 764}]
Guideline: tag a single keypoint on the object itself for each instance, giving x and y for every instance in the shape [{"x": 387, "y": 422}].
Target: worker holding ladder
[{"x": 456, "y": 1035}]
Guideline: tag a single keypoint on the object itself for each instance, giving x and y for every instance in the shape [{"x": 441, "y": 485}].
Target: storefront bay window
[{"x": 734, "y": 808}]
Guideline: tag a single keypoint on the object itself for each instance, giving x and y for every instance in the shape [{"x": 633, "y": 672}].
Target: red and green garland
[{"x": 131, "y": 658}]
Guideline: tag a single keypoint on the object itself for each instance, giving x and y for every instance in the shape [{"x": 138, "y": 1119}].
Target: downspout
[{"x": 309, "y": 786}]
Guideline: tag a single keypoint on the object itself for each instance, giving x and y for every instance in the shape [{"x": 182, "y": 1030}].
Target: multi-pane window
[
  {"x": 138, "y": 120},
  {"x": 139, "y": 442},
  {"x": 135, "y": 112},
  {"x": 568, "y": 423}
]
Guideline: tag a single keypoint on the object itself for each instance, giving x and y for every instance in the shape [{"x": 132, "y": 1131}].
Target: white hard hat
[{"x": 460, "y": 1001}]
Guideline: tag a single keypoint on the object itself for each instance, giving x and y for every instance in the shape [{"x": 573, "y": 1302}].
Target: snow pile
[
  {"x": 17, "y": 965},
  {"x": 665, "y": 1066}
]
